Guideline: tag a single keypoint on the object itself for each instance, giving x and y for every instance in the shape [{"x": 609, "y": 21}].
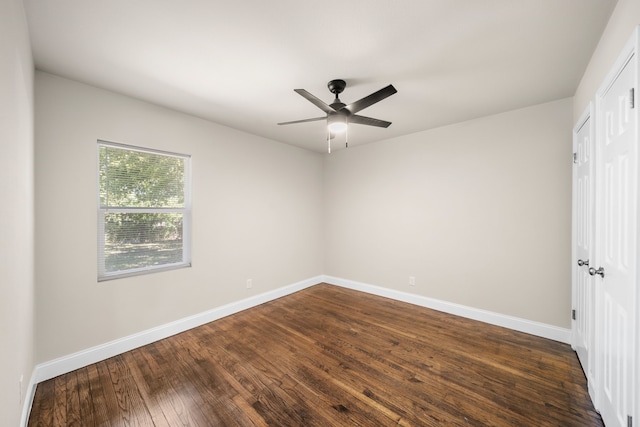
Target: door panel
[{"x": 616, "y": 224}]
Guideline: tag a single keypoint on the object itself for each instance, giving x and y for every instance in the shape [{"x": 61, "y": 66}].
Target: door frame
[{"x": 587, "y": 115}]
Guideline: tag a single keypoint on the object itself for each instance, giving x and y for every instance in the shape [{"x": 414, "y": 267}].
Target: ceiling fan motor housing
[{"x": 336, "y": 86}]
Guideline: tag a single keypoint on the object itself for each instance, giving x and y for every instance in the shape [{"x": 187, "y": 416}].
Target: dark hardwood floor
[{"x": 328, "y": 356}]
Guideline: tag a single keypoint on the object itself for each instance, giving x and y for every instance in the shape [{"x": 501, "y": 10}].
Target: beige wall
[
  {"x": 479, "y": 212},
  {"x": 16, "y": 210},
  {"x": 256, "y": 214},
  {"x": 625, "y": 17}
]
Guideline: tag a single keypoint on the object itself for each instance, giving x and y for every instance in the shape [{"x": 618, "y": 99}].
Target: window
[{"x": 144, "y": 211}]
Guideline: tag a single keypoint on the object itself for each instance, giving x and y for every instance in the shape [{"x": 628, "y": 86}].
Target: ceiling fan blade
[
  {"x": 315, "y": 119},
  {"x": 367, "y": 101},
  {"x": 315, "y": 101},
  {"x": 362, "y": 120}
]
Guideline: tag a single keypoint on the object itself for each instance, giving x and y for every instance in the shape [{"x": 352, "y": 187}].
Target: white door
[
  {"x": 615, "y": 262},
  {"x": 584, "y": 223}
]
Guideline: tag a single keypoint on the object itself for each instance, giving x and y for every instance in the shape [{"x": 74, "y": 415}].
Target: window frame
[{"x": 103, "y": 275}]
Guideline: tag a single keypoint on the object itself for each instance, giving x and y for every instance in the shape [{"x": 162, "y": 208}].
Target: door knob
[
  {"x": 593, "y": 271},
  {"x": 581, "y": 262}
]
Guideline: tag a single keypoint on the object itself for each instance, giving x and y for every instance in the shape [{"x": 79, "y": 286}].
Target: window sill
[{"x": 142, "y": 271}]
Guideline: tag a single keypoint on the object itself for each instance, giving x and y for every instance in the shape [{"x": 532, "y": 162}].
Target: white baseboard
[
  {"x": 530, "y": 327},
  {"x": 71, "y": 362},
  {"x": 28, "y": 400}
]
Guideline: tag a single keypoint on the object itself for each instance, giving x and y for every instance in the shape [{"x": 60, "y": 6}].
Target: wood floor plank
[
  {"x": 328, "y": 356},
  {"x": 128, "y": 392},
  {"x": 60, "y": 401},
  {"x": 268, "y": 382},
  {"x": 156, "y": 388},
  {"x": 42, "y": 407},
  {"x": 237, "y": 377},
  {"x": 99, "y": 408},
  {"x": 201, "y": 384},
  {"x": 152, "y": 401},
  {"x": 284, "y": 367},
  {"x": 85, "y": 399},
  {"x": 117, "y": 405},
  {"x": 331, "y": 368},
  {"x": 73, "y": 400},
  {"x": 178, "y": 388}
]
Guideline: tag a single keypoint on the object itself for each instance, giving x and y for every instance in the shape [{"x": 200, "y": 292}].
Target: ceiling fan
[{"x": 339, "y": 114}]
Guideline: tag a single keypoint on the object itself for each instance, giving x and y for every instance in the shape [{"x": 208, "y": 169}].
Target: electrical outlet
[
  {"x": 412, "y": 281},
  {"x": 249, "y": 283}
]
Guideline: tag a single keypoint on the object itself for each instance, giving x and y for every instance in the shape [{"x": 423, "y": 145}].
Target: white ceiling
[{"x": 236, "y": 62}]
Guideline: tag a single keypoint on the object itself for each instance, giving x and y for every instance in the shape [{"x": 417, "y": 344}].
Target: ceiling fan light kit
[
  {"x": 336, "y": 123},
  {"x": 338, "y": 114}
]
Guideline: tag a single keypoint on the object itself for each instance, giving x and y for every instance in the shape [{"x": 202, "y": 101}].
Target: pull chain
[{"x": 346, "y": 137}]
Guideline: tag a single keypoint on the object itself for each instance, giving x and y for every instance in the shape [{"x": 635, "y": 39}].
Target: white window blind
[{"x": 144, "y": 210}]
